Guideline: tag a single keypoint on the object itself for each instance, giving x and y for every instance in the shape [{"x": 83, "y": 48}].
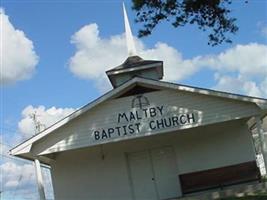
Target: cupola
[{"x": 134, "y": 66}]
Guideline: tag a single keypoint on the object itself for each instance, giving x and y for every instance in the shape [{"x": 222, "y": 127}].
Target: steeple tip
[{"x": 128, "y": 34}]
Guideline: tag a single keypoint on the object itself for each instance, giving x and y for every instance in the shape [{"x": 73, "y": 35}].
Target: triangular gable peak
[
  {"x": 123, "y": 114},
  {"x": 137, "y": 90}
]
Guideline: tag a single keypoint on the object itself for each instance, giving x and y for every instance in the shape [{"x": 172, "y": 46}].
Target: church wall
[
  {"x": 86, "y": 174},
  {"x": 80, "y": 132}
]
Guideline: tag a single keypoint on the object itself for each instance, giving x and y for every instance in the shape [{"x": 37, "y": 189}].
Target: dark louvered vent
[{"x": 137, "y": 90}]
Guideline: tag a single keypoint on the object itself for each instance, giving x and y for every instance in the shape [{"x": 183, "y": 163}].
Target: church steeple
[
  {"x": 128, "y": 34},
  {"x": 134, "y": 65}
]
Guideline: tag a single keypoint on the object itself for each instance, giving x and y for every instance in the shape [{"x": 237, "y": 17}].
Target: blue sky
[{"x": 72, "y": 43}]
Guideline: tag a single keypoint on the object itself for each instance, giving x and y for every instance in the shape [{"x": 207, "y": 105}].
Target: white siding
[
  {"x": 208, "y": 110},
  {"x": 83, "y": 174}
]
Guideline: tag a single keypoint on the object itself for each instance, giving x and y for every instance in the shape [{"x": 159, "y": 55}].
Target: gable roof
[
  {"x": 25, "y": 146},
  {"x": 134, "y": 62},
  {"x": 133, "y": 66}
]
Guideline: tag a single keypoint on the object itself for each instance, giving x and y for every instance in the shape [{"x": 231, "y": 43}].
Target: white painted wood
[
  {"x": 39, "y": 178},
  {"x": 128, "y": 33},
  {"x": 17, "y": 150},
  {"x": 165, "y": 173},
  {"x": 207, "y": 110},
  {"x": 154, "y": 174},
  {"x": 95, "y": 178},
  {"x": 117, "y": 91},
  {"x": 142, "y": 176},
  {"x": 197, "y": 90}
]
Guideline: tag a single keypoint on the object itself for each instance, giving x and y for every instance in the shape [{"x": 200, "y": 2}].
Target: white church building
[{"x": 147, "y": 139}]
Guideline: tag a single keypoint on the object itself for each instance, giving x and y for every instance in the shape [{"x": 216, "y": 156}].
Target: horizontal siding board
[
  {"x": 207, "y": 116},
  {"x": 209, "y": 110}
]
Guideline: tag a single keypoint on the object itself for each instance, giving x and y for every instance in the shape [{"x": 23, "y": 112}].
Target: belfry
[
  {"x": 148, "y": 139},
  {"x": 134, "y": 66}
]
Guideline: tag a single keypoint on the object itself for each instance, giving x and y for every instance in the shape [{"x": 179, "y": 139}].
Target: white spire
[{"x": 129, "y": 35}]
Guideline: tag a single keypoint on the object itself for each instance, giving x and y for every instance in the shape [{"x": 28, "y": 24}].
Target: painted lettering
[
  {"x": 96, "y": 134},
  {"x": 124, "y": 129},
  {"x": 131, "y": 129},
  {"x": 160, "y": 108},
  {"x": 183, "y": 119},
  {"x": 138, "y": 126},
  {"x": 122, "y": 116},
  {"x": 152, "y": 125},
  {"x": 152, "y": 112},
  {"x": 160, "y": 124},
  {"x": 175, "y": 120},
  {"x": 190, "y": 118},
  {"x": 145, "y": 111},
  {"x": 167, "y": 122},
  {"x": 141, "y": 120},
  {"x": 137, "y": 115},
  {"x": 104, "y": 135},
  {"x": 118, "y": 130},
  {"x": 132, "y": 116},
  {"x": 110, "y": 131}
]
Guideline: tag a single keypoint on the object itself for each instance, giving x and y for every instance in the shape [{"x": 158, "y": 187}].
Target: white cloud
[
  {"x": 16, "y": 174},
  {"x": 46, "y": 117},
  {"x": 95, "y": 55},
  {"x": 18, "y": 56},
  {"x": 18, "y": 179},
  {"x": 249, "y": 60},
  {"x": 238, "y": 85},
  {"x": 263, "y": 87},
  {"x": 241, "y": 69},
  {"x": 176, "y": 68}
]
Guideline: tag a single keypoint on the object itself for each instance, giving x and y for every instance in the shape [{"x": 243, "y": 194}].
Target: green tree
[{"x": 209, "y": 15}]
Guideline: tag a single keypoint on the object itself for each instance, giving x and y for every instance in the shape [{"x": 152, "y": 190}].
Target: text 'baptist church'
[{"x": 134, "y": 122}]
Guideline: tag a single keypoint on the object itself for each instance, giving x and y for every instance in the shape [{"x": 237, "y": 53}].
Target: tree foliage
[{"x": 209, "y": 15}]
